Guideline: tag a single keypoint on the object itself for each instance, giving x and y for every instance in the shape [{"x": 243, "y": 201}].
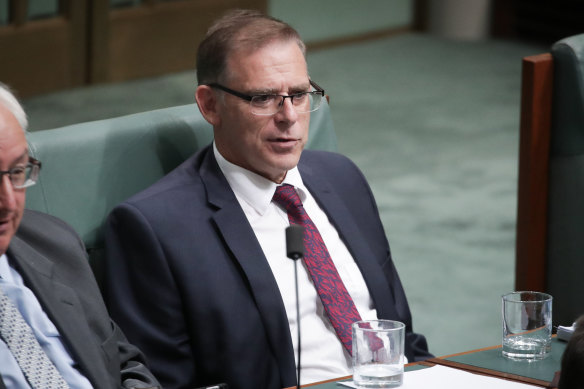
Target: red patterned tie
[{"x": 337, "y": 302}]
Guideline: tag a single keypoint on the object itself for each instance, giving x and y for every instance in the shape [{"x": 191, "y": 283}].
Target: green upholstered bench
[{"x": 88, "y": 168}]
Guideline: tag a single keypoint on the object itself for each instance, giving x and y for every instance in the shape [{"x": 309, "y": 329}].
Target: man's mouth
[
  {"x": 285, "y": 140},
  {"x": 4, "y": 223}
]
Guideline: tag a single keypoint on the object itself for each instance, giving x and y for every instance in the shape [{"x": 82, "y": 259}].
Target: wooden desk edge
[{"x": 489, "y": 372}]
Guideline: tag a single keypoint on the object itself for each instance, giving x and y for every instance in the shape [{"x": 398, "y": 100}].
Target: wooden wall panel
[
  {"x": 90, "y": 42},
  {"x": 44, "y": 55},
  {"x": 155, "y": 38}
]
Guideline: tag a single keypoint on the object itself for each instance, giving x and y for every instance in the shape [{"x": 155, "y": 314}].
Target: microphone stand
[{"x": 295, "y": 251}]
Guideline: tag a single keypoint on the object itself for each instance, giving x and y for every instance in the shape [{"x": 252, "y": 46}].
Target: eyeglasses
[
  {"x": 269, "y": 104},
  {"x": 23, "y": 176}
]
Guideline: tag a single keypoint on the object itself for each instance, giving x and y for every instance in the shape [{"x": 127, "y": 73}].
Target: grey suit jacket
[{"x": 53, "y": 263}]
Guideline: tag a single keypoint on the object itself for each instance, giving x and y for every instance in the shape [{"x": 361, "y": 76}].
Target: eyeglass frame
[
  {"x": 249, "y": 98},
  {"x": 35, "y": 166}
]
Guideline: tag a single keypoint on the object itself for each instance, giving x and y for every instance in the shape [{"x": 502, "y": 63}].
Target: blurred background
[
  {"x": 424, "y": 96},
  {"x": 51, "y": 45}
]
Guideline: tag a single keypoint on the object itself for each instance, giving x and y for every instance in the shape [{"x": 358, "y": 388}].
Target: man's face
[
  {"x": 266, "y": 145},
  {"x": 13, "y": 153}
]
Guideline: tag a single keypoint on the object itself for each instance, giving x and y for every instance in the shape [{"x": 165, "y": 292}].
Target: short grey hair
[
  {"x": 8, "y": 100},
  {"x": 239, "y": 29}
]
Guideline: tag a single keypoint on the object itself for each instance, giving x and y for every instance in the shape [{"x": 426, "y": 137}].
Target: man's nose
[
  {"x": 7, "y": 199},
  {"x": 287, "y": 111}
]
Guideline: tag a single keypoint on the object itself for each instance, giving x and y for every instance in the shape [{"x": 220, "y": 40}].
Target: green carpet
[{"x": 433, "y": 124}]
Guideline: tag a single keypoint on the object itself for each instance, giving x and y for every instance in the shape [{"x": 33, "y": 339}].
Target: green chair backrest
[
  {"x": 565, "y": 242},
  {"x": 89, "y": 168}
]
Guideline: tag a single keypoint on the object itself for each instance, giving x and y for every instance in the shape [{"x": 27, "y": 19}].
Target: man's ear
[{"x": 208, "y": 104}]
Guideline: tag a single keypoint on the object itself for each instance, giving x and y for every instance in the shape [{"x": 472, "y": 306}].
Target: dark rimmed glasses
[
  {"x": 270, "y": 104},
  {"x": 23, "y": 176}
]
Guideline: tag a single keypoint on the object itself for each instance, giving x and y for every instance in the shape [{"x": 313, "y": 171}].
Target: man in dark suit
[
  {"x": 50, "y": 305},
  {"x": 196, "y": 264}
]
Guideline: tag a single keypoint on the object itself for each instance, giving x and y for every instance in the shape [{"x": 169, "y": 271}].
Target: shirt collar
[
  {"x": 4, "y": 267},
  {"x": 255, "y": 190}
]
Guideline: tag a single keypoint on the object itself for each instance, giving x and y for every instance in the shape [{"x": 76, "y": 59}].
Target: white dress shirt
[
  {"x": 43, "y": 328},
  {"x": 323, "y": 354}
]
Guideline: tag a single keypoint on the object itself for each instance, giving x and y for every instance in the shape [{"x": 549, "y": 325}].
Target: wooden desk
[{"x": 487, "y": 361}]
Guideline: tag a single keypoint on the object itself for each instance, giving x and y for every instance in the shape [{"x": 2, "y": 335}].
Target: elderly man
[
  {"x": 197, "y": 267},
  {"x": 55, "y": 331}
]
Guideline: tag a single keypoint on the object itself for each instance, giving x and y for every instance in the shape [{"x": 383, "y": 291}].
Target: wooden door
[
  {"x": 42, "y": 54},
  {"x": 151, "y": 37}
]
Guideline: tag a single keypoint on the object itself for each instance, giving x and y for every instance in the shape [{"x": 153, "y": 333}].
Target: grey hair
[{"x": 8, "y": 100}]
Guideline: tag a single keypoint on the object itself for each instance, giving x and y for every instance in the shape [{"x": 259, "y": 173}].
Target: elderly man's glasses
[
  {"x": 23, "y": 176},
  {"x": 270, "y": 104}
]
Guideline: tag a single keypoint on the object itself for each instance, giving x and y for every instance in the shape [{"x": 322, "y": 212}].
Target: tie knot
[{"x": 287, "y": 198}]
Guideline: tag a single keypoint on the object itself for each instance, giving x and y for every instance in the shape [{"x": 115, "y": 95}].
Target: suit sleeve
[
  {"x": 143, "y": 298},
  {"x": 133, "y": 370},
  {"x": 104, "y": 355},
  {"x": 415, "y": 344},
  {"x": 348, "y": 179}
]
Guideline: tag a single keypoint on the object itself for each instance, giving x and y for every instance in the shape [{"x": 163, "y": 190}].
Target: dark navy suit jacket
[{"x": 189, "y": 283}]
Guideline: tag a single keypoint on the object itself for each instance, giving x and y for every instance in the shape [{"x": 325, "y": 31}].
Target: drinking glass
[
  {"x": 527, "y": 325},
  {"x": 378, "y": 353}
]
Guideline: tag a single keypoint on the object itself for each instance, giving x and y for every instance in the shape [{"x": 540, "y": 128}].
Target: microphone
[
  {"x": 295, "y": 241},
  {"x": 295, "y": 251}
]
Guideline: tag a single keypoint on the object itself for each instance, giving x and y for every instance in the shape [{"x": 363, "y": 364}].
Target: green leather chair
[
  {"x": 565, "y": 237},
  {"x": 88, "y": 168},
  {"x": 550, "y": 217}
]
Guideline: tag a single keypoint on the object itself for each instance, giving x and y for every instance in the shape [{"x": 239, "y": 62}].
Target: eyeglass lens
[
  {"x": 270, "y": 104},
  {"x": 23, "y": 177}
]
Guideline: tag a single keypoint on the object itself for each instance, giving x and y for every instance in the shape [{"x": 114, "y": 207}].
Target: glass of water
[
  {"x": 378, "y": 353},
  {"x": 527, "y": 325}
]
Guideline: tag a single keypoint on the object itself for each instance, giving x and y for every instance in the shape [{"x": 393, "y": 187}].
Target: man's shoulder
[
  {"x": 47, "y": 233},
  {"x": 39, "y": 223},
  {"x": 312, "y": 157},
  {"x": 326, "y": 162},
  {"x": 184, "y": 178},
  {"x": 324, "y": 169}
]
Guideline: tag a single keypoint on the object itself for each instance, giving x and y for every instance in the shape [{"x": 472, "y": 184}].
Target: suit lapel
[
  {"x": 60, "y": 303},
  {"x": 241, "y": 240},
  {"x": 349, "y": 232}
]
